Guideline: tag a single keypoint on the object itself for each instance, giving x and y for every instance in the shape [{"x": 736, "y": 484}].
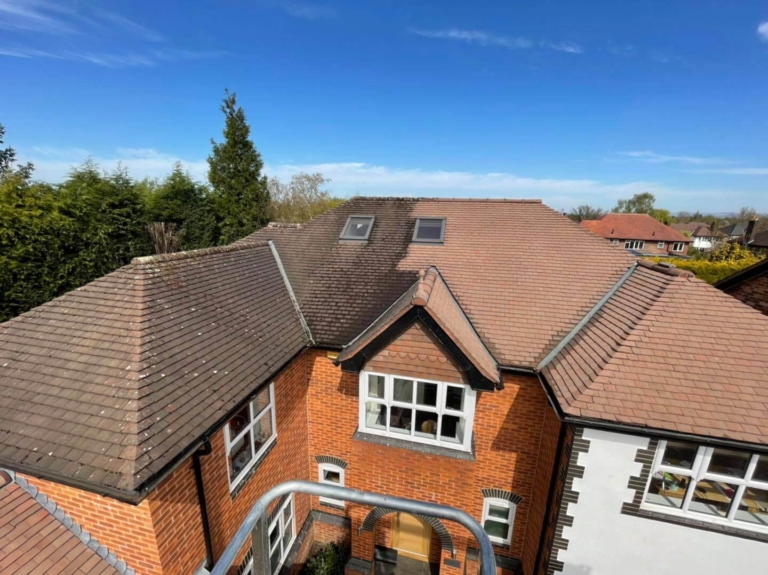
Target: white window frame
[
  {"x": 678, "y": 246},
  {"x": 229, "y": 442},
  {"x": 699, "y": 472},
  {"x": 468, "y": 412},
  {"x": 321, "y": 469},
  {"x": 279, "y": 521},
  {"x": 634, "y": 244},
  {"x": 661, "y": 245},
  {"x": 615, "y": 242},
  {"x": 487, "y": 502}
]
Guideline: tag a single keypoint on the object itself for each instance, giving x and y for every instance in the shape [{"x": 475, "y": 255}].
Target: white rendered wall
[
  {"x": 702, "y": 243},
  {"x": 603, "y": 541}
]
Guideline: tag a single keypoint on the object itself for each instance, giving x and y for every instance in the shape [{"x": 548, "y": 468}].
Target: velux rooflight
[
  {"x": 357, "y": 228},
  {"x": 429, "y": 230}
]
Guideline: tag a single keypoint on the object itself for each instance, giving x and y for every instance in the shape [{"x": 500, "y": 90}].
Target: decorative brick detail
[
  {"x": 501, "y": 494},
  {"x": 575, "y": 471},
  {"x": 331, "y": 460},
  {"x": 378, "y": 512},
  {"x": 638, "y": 483}
]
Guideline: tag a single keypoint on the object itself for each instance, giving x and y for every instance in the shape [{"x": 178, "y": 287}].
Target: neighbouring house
[
  {"x": 759, "y": 242},
  {"x": 734, "y": 231},
  {"x": 443, "y": 350},
  {"x": 703, "y": 238},
  {"x": 749, "y": 285},
  {"x": 639, "y": 233}
]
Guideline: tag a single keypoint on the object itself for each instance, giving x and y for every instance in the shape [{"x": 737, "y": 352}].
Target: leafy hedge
[
  {"x": 710, "y": 272},
  {"x": 328, "y": 560}
]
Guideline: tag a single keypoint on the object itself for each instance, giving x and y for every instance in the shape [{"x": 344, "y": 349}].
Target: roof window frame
[
  {"x": 417, "y": 240},
  {"x": 345, "y": 229}
]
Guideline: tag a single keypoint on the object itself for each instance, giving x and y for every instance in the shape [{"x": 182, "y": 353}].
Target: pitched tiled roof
[
  {"x": 633, "y": 227},
  {"x": 696, "y": 229},
  {"x": 634, "y": 362},
  {"x": 736, "y": 229},
  {"x": 431, "y": 293},
  {"x": 108, "y": 384},
  {"x": 36, "y": 537},
  {"x": 759, "y": 240},
  {"x": 523, "y": 273},
  {"x": 758, "y": 269}
]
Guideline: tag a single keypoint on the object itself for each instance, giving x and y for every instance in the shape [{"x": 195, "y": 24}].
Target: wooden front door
[{"x": 411, "y": 536}]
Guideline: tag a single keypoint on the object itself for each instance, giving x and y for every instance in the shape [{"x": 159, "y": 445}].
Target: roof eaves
[{"x": 741, "y": 276}]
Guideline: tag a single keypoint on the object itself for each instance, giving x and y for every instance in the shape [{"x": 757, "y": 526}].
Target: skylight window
[
  {"x": 357, "y": 228},
  {"x": 429, "y": 230}
]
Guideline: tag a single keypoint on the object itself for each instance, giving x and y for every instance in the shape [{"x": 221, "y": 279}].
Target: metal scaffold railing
[{"x": 255, "y": 523}]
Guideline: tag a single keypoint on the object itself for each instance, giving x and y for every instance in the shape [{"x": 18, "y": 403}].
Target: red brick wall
[
  {"x": 126, "y": 530},
  {"x": 753, "y": 292},
  {"x": 507, "y": 431},
  {"x": 287, "y": 460}
]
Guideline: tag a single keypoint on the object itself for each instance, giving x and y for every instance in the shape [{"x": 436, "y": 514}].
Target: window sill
[
  {"x": 331, "y": 505},
  {"x": 413, "y": 446},
  {"x": 239, "y": 487},
  {"x": 704, "y": 525}
]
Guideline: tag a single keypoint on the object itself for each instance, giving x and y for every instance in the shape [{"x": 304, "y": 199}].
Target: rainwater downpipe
[{"x": 205, "y": 449}]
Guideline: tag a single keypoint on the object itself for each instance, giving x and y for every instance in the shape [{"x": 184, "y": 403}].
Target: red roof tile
[{"x": 633, "y": 227}]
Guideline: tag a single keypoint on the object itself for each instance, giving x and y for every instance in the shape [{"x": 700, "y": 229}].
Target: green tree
[
  {"x": 586, "y": 212},
  {"x": 8, "y": 161},
  {"x": 637, "y": 204},
  {"x": 300, "y": 200},
  {"x": 240, "y": 193}
]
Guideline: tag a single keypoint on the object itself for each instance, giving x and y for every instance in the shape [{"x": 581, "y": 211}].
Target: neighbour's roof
[
  {"x": 522, "y": 273},
  {"x": 753, "y": 271},
  {"x": 737, "y": 229},
  {"x": 633, "y": 227},
  {"x": 696, "y": 229},
  {"x": 431, "y": 293},
  {"x": 36, "y": 537},
  {"x": 109, "y": 384},
  {"x": 759, "y": 240},
  {"x": 635, "y": 363}
]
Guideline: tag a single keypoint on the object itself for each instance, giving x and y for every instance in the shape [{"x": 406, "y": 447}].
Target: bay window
[
  {"x": 416, "y": 409},
  {"x": 710, "y": 483},
  {"x": 248, "y": 435}
]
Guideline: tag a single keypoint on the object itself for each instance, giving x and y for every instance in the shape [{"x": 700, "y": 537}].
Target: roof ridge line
[
  {"x": 291, "y": 294},
  {"x": 234, "y": 247},
  {"x": 589, "y": 315},
  {"x": 665, "y": 268},
  {"x": 70, "y": 524}
]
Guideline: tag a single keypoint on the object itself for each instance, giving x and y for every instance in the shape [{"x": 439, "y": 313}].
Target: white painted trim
[
  {"x": 255, "y": 456},
  {"x": 279, "y": 522},
  {"x": 321, "y": 468},
  {"x": 487, "y": 502},
  {"x": 468, "y": 411}
]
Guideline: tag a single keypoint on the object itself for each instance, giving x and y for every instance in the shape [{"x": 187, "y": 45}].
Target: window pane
[
  {"x": 712, "y": 497},
  {"x": 498, "y": 511},
  {"x": 274, "y": 534},
  {"x": 754, "y": 506},
  {"x": 667, "y": 489},
  {"x": 261, "y": 401},
  {"x": 357, "y": 228},
  {"x": 454, "y": 398},
  {"x": 761, "y": 469},
  {"x": 376, "y": 386},
  {"x": 287, "y": 539},
  {"x": 375, "y": 415},
  {"x": 429, "y": 229},
  {"x": 452, "y": 429},
  {"x": 239, "y": 456},
  {"x": 426, "y": 424},
  {"x": 426, "y": 394},
  {"x": 287, "y": 512},
  {"x": 239, "y": 422},
  {"x": 274, "y": 559},
  {"x": 679, "y": 454},
  {"x": 262, "y": 431},
  {"x": 403, "y": 390},
  {"x": 727, "y": 462},
  {"x": 331, "y": 476},
  {"x": 400, "y": 420},
  {"x": 496, "y": 529}
]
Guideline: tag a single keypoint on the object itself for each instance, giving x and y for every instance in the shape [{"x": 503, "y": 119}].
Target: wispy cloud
[
  {"x": 654, "y": 158},
  {"x": 762, "y": 31},
  {"x": 83, "y": 33},
  {"x": 476, "y": 37},
  {"x": 568, "y": 47},
  {"x": 351, "y": 178},
  {"x": 308, "y": 10},
  {"x": 111, "y": 59},
  {"x": 665, "y": 57},
  {"x": 733, "y": 171}
]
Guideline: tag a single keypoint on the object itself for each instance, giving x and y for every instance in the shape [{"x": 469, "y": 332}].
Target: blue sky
[{"x": 572, "y": 102}]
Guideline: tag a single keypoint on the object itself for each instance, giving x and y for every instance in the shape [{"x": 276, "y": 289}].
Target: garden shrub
[{"x": 328, "y": 560}]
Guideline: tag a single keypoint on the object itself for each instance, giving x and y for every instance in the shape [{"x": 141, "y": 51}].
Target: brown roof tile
[
  {"x": 648, "y": 371},
  {"x": 109, "y": 383},
  {"x": 633, "y": 227}
]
